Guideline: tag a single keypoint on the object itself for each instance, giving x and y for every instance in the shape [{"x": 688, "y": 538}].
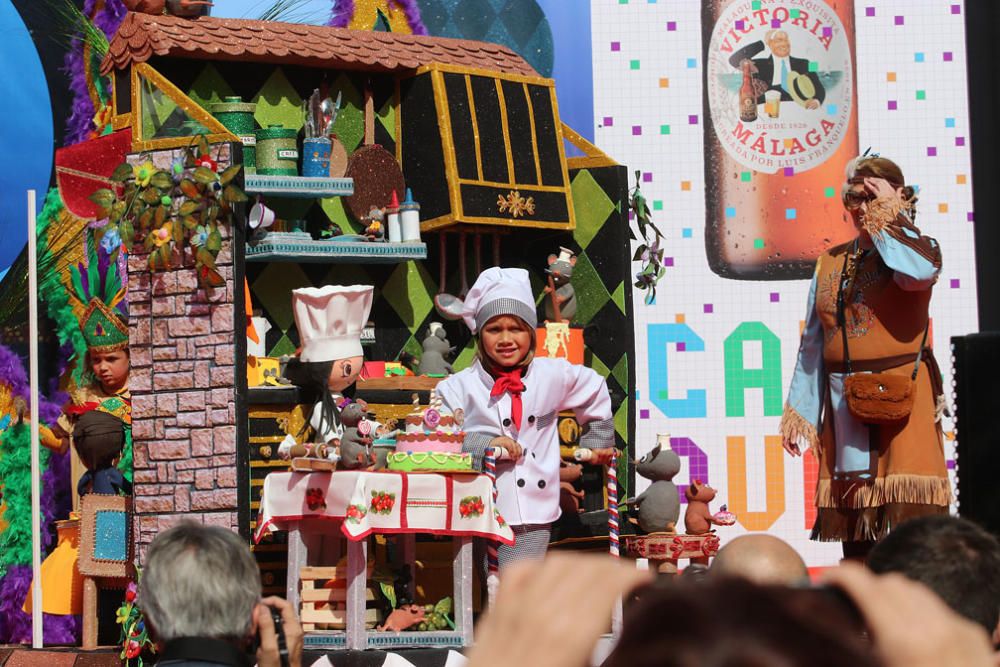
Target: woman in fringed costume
[{"x": 871, "y": 477}]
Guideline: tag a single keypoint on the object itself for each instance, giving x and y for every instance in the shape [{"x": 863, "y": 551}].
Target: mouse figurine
[
  {"x": 569, "y": 496},
  {"x": 659, "y": 506},
  {"x": 560, "y": 290},
  {"x": 698, "y": 519},
  {"x": 434, "y": 361},
  {"x": 356, "y": 442}
]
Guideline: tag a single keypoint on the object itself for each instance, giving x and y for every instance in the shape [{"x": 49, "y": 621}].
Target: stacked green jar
[
  {"x": 277, "y": 151},
  {"x": 237, "y": 117}
]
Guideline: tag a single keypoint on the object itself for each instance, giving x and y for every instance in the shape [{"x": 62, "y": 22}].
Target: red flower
[
  {"x": 207, "y": 162},
  {"x": 130, "y": 596},
  {"x": 133, "y": 650}
]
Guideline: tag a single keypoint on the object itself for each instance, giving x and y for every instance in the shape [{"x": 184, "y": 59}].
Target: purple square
[
  {"x": 959, "y": 141},
  {"x": 616, "y": 46},
  {"x": 827, "y": 31},
  {"x": 956, "y": 9},
  {"x": 693, "y": 119},
  {"x": 671, "y": 26},
  {"x": 636, "y": 130},
  {"x": 740, "y": 24},
  {"x": 950, "y": 465},
  {"x": 969, "y": 217},
  {"x": 609, "y": 121},
  {"x": 647, "y": 177},
  {"x": 789, "y": 171},
  {"x": 775, "y": 297},
  {"x": 869, "y": 11},
  {"x": 955, "y": 283},
  {"x": 931, "y": 151},
  {"x": 708, "y": 308},
  {"x": 775, "y": 23},
  {"x": 892, "y": 105},
  {"x": 948, "y": 56},
  {"x": 631, "y": 214},
  {"x": 668, "y": 261},
  {"x": 643, "y": 414},
  {"x": 682, "y": 347},
  {"x": 899, "y": 20}
]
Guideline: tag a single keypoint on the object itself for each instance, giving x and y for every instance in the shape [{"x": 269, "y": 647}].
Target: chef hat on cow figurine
[{"x": 496, "y": 292}]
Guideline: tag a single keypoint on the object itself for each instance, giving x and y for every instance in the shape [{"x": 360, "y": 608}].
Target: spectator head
[
  {"x": 763, "y": 559},
  {"x": 199, "y": 581},
  {"x": 720, "y": 622},
  {"x": 954, "y": 557}
]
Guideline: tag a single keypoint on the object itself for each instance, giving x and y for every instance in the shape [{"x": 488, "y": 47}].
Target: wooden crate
[{"x": 324, "y": 595}]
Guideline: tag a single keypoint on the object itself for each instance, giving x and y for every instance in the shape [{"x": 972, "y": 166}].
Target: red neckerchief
[{"x": 510, "y": 381}]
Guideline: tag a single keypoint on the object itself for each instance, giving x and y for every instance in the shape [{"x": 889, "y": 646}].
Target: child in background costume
[
  {"x": 512, "y": 401},
  {"x": 330, "y": 320},
  {"x": 98, "y": 287}
]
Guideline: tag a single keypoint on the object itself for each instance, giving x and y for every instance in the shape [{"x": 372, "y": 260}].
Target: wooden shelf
[
  {"x": 299, "y": 187},
  {"x": 300, "y": 247}
]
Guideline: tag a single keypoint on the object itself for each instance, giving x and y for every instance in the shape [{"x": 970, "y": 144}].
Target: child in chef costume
[{"x": 512, "y": 402}]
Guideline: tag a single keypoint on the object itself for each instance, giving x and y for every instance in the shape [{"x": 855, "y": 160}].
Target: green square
[
  {"x": 622, "y": 2},
  {"x": 758, "y": 243},
  {"x": 813, "y": 66},
  {"x": 662, "y": 395},
  {"x": 829, "y": 191},
  {"x": 634, "y": 64},
  {"x": 755, "y": 5},
  {"x": 657, "y": 204},
  {"x": 664, "y": 129},
  {"x": 794, "y": 13},
  {"x": 921, "y": 94},
  {"x": 746, "y": 176}
]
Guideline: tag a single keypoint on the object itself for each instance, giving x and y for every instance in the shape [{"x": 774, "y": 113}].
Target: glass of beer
[{"x": 772, "y": 103}]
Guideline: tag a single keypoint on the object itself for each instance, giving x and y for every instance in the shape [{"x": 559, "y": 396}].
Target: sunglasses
[{"x": 853, "y": 200}]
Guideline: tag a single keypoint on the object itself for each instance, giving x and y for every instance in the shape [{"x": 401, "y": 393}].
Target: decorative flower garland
[
  {"x": 649, "y": 251},
  {"x": 170, "y": 211}
]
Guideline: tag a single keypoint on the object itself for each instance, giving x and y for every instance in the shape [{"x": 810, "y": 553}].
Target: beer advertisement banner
[{"x": 740, "y": 116}]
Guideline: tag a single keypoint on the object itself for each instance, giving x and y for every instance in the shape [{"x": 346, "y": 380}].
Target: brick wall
[{"x": 183, "y": 394}]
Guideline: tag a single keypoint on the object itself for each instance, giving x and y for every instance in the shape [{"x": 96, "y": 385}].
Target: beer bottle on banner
[{"x": 773, "y": 176}]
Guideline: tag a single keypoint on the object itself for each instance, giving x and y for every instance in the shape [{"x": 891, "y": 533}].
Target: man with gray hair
[
  {"x": 201, "y": 595},
  {"x": 782, "y": 71}
]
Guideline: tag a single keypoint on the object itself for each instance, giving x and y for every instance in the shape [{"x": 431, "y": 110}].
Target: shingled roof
[{"x": 143, "y": 36}]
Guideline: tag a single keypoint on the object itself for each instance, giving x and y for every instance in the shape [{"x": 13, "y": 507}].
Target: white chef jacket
[{"x": 528, "y": 489}]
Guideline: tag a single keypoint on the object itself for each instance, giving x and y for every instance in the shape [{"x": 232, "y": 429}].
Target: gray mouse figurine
[
  {"x": 561, "y": 270},
  {"x": 659, "y": 506},
  {"x": 355, "y": 446},
  {"x": 433, "y": 361}
]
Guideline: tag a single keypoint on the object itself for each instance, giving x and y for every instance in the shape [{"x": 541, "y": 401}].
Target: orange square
[
  {"x": 788, "y": 143},
  {"x": 890, "y": 76},
  {"x": 664, "y": 82},
  {"x": 685, "y": 185},
  {"x": 679, "y": 318},
  {"x": 942, "y": 208},
  {"x": 960, "y": 179}
]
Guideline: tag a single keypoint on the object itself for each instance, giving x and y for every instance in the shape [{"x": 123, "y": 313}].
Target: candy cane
[
  {"x": 613, "y": 504},
  {"x": 492, "y": 558}
]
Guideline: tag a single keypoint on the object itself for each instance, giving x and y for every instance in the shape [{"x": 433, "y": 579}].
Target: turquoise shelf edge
[
  {"x": 298, "y": 186},
  {"x": 283, "y": 249}
]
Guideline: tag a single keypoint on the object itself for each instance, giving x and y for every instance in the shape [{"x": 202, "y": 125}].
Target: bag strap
[{"x": 846, "y": 278}]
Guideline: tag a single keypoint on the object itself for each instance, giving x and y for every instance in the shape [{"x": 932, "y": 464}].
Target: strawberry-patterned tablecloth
[{"x": 383, "y": 502}]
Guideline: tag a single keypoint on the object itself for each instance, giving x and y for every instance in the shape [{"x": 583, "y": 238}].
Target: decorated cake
[{"x": 431, "y": 440}]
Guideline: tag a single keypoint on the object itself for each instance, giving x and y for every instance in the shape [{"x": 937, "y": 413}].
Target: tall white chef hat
[
  {"x": 330, "y": 320},
  {"x": 500, "y": 292}
]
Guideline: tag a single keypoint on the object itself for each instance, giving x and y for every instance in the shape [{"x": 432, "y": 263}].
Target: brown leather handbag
[{"x": 875, "y": 398}]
